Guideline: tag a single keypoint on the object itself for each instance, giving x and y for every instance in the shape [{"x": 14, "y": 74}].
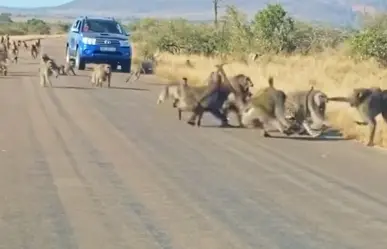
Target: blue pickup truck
[{"x": 98, "y": 40}]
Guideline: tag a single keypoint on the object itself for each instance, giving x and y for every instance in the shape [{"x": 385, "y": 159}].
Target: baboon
[
  {"x": 189, "y": 64},
  {"x": 267, "y": 107},
  {"x": 185, "y": 97},
  {"x": 253, "y": 56},
  {"x": 3, "y": 59},
  {"x": 7, "y": 41},
  {"x": 14, "y": 54},
  {"x": 48, "y": 67},
  {"x": 66, "y": 69},
  {"x": 307, "y": 110},
  {"x": 369, "y": 102},
  {"x": 100, "y": 74},
  {"x": 34, "y": 51},
  {"x": 25, "y": 45},
  {"x": 37, "y": 43},
  {"x": 238, "y": 87},
  {"x": 3, "y": 68},
  {"x": 19, "y": 43},
  {"x": 136, "y": 73}
]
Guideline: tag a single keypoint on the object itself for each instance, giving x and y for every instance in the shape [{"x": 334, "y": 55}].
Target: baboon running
[
  {"x": 136, "y": 73},
  {"x": 307, "y": 109},
  {"x": 48, "y": 67},
  {"x": 3, "y": 59},
  {"x": 196, "y": 99},
  {"x": 267, "y": 108},
  {"x": 14, "y": 54},
  {"x": 369, "y": 102},
  {"x": 25, "y": 45},
  {"x": 184, "y": 96},
  {"x": 100, "y": 74},
  {"x": 66, "y": 69},
  {"x": 34, "y": 51}
]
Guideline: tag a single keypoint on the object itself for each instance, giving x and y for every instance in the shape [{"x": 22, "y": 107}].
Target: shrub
[
  {"x": 371, "y": 42},
  {"x": 272, "y": 30}
]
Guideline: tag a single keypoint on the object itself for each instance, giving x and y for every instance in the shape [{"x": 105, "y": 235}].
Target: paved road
[{"x": 107, "y": 168}]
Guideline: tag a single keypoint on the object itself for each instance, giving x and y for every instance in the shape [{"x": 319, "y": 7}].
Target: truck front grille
[{"x": 107, "y": 42}]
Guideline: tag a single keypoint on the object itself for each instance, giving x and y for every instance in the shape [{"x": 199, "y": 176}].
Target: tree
[
  {"x": 275, "y": 28},
  {"x": 5, "y": 18}
]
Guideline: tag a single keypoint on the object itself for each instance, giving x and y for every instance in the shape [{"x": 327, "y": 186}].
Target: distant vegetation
[
  {"x": 272, "y": 31},
  {"x": 31, "y": 26}
]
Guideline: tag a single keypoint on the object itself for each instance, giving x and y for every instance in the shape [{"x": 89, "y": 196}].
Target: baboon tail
[
  {"x": 307, "y": 111},
  {"x": 271, "y": 81},
  {"x": 339, "y": 99}
]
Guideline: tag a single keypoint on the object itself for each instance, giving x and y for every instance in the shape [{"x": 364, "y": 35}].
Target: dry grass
[
  {"x": 33, "y": 37},
  {"x": 333, "y": 73}
]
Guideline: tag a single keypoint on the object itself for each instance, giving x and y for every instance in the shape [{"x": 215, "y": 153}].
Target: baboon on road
[
  {"x": 369, "y": 102},
  {"x": 185, "y": 98},
  {"x": 3, "y": 59},
  {"x": 136, "y": 73},
  {"x": 66, "y": 69},
  {"x": 34, "y": 51},
  {"x": 48, "y": 67},
  {"x": 37, "y": 43},
  {"x": 25, "y": 45},
  {"x": 238, "y": 88},
  {"x": 100, "y": 74},
  {"x": 3, "y": 68},
  {"x": 14, "y": 54},
  {"x": 266, "y": 108},
  {"x": 307, "y": 108}
]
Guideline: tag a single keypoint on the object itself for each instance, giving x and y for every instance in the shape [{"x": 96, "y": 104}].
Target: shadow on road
[
  {"x": 129, "y": 88},
  {"x": 24, "y": 74},
  {"x": 74, "y": 87},
  {"x": 328, "y": 135}
]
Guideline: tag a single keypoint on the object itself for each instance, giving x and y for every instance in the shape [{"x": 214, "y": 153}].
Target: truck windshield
[{"x": 102, "y": 26}]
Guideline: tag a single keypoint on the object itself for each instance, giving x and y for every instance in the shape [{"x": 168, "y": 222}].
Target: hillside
[{"x": 339, "y": 12}]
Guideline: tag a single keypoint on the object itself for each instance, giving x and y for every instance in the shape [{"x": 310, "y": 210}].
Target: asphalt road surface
[{"x": 108, "y": 168}]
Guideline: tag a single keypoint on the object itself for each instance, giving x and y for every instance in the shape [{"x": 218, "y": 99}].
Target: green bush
[
  {"x": 371, "y": 42},
  {"x": 272, "y": 30},
  {"x": 32, "y": 26}
]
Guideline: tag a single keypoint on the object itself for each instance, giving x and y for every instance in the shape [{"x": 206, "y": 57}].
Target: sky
[{"x": 29, "y": 3}]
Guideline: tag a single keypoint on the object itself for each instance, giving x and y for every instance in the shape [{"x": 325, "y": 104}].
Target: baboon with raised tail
[
  {"x": 100, "y": 74},
  {"x": 266, "y": 108},
  {"x": 369, "y": 102}
]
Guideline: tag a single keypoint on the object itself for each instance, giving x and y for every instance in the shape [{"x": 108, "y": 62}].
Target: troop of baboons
[{"x": 296, "y": 112}]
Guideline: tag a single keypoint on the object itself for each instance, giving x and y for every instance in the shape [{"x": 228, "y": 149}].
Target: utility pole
[{"x": 216, "y": 11}]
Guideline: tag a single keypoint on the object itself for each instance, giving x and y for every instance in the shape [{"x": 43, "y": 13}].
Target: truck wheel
[
  {"x": 79, "y": 63},
  {"x": 114, "y": 66}
]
